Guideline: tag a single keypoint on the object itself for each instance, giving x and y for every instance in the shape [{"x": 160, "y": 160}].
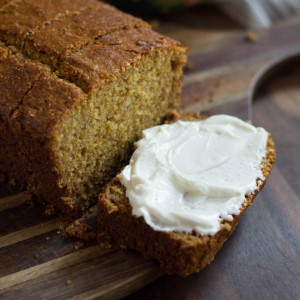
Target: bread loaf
[
  {"x": 79, "y": 81},
  {"x": 177, "y": 252}
]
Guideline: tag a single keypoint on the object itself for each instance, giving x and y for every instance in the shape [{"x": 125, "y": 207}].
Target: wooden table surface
[{"x": 261, "y": 260}]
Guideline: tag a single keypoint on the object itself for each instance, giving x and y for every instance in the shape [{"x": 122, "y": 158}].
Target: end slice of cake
[{"x": 186, "y": 238}]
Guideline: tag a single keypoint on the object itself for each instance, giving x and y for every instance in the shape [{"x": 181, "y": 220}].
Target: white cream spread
[{"x": 189, "y": 176}]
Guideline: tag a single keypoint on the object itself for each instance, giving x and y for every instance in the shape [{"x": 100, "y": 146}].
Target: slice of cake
[
  {"x": 80, "y": 80},
  {"x": 185, "y": 189}
]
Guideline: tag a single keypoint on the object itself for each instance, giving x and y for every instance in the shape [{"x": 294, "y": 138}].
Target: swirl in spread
[{"x": 189, "y": 176}]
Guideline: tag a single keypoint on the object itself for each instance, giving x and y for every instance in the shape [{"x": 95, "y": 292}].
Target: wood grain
[
  {"x": 11, "y": 201},
  {"x": 260, "y": 260},
  {"x": 30, "y": 232}
]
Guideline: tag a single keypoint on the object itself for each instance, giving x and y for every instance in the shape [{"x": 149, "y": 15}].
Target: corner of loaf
[{"x": 71, "y": 108}]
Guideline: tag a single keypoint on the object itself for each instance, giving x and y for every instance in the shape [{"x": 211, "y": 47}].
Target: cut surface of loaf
[
  {"x": 177, "y": 252},
  {"x": 79, "y": 81}
]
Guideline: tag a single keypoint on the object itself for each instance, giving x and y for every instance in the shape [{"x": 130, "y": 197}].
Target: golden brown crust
[
  {"x": 70, "y": 32},
  {"x": 78, "y": 38},
  {"x": 19, "y": 18},
  {"x": 32, "y": 103},
  {"x": 112, "y": 55},
  {"x": 16, "y": 79},
  {"x": 178, "y": 253}
]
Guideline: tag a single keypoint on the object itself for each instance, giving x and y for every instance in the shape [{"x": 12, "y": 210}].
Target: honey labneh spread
[{"x": 189, "y": 176}]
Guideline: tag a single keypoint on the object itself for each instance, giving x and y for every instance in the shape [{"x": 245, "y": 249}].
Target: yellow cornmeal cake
[
  {"x": 79, "y": 82},
  {"x": 177, "y": 252}
]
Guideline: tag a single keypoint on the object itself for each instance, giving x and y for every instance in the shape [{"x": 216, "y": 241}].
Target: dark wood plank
[
  {"x": 92, "y": 271},
  {"x": 227, "y": 78},
  {"x": 22, "y": 217}
]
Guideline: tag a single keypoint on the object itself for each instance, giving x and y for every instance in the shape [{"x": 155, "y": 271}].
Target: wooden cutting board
[{"x": 261, "y": 259}]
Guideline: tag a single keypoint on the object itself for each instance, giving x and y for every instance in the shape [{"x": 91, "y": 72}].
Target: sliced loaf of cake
[{"x": 79, "y": 81}]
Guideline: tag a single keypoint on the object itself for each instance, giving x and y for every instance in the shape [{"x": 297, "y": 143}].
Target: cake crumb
[
  {"x": 227, "y": 226},
  {"x": 68, "y": 282},
  {"x": 36, "y": 256},
  {"x": 47, "y": 238},
  {"x": 12, "y": 182},
  {"x": 60, "y": 228},
  {"x": 50, "y": 210},
  {"x": 251, "y": 36},
  {"x": 104, "y": 239},
  {"x": 78, "y": 245},
  {"x": 80, "y": 230}
]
